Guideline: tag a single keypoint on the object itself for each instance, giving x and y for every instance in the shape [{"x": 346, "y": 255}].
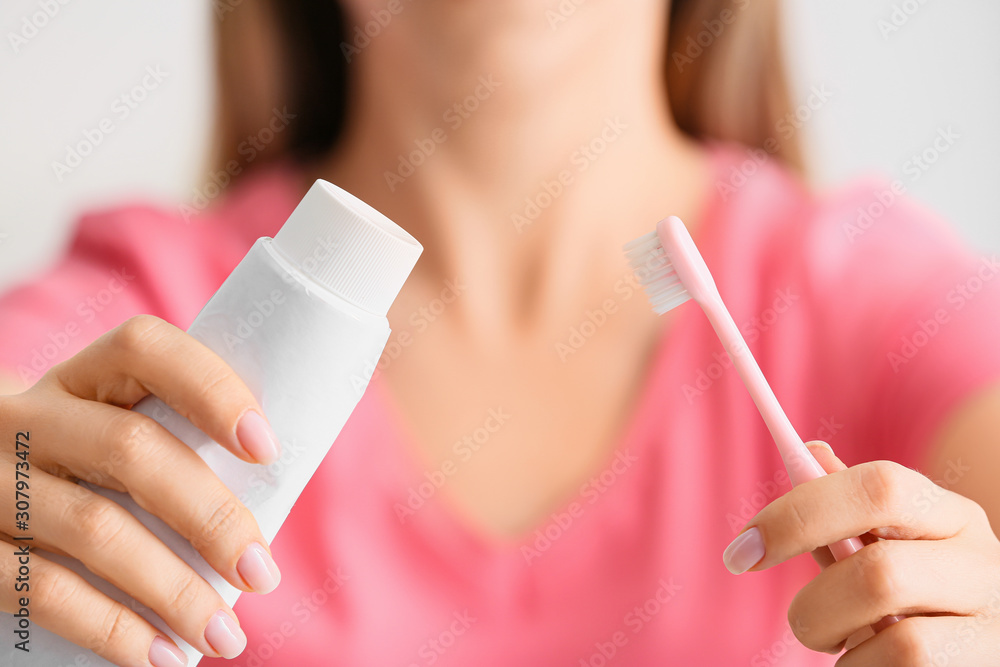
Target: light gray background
[{"x": 891, "y": 94}]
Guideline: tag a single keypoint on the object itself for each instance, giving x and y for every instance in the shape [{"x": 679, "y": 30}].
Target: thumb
[{"x": 823, "y": 453}]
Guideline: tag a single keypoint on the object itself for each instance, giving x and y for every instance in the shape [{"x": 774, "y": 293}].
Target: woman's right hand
[{"x": 81, "y": 427}]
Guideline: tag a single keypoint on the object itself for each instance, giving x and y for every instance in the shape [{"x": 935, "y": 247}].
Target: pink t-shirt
[{"x": 868, "y": 318}]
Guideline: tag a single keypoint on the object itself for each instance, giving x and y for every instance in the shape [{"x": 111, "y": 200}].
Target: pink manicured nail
[
  {"x": 258, "y": 569},
  {"x": 163, "y": 653},
  {"x": 257, "y": 438},
  {"x": 821, "y": 444},
  {"x": 225, "y": 636},
  {"x": 744, "y": 552}
]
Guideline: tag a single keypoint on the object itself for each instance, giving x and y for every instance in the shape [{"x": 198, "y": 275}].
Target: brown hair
[
  {"x": 726, "y": 74},
  {"x": 724, "y": 69}
]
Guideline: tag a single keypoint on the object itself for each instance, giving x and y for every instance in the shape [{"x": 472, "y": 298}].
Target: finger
[
  {"x": 169, "y": 480},
  {"x": 9, "y": 521},
  {"x": 955, "y": 641},
  {"x": 830, "y": 463},
  {"x": 115, "y": 546},
  {"x": 824, "y": 455},
  {"x": 146, "y": 355},
  {"x": 882, "y": 497},
  {"x": 62, "y": 602},
  {"x": 63, "y": 445},
  {"x": 890, "y": 577}
]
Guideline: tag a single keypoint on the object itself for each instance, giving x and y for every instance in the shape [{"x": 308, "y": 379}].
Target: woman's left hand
[{"x": 937, "y": 562}]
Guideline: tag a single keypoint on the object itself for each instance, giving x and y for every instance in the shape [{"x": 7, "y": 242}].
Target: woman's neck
[{"x": 524, "y": 158}]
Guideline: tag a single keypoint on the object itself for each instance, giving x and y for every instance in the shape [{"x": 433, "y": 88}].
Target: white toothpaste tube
[{"x": 302, "y": 321}]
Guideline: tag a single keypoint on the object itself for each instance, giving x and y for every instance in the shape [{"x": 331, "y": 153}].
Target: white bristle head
[{"x": 655, "y": 273}]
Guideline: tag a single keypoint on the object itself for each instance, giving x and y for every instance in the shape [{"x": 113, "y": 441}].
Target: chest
[{"x": 512, "y": 427}]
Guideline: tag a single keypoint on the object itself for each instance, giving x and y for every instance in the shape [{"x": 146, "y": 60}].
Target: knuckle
[
  {"x": 50, "y": 590},
  {"x": 796, "y": 522},
  {"x": 218, "y": 382},
  {"x": 138, "y": 333},
  {"x": 798, "y": 619},
  {"x": 131, "y": 433},
  {"x": 223, "y": 519},
  {"x": 976, "y": 512},
  {"x": 9, "y": 416},
  {"x": 909, "y": 644},
  {"x": 881, "y": 486},
  {"x": 184, "y": 594},
  {"x": 113, "y": 631},
  {"x": 880, "y": 577},
  {"x": 99, "y": 522}
]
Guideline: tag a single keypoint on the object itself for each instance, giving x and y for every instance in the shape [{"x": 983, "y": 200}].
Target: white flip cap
[{"x": 348, "y": 247}]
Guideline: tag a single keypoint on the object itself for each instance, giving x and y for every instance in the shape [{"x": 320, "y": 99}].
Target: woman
[{"x": 541, "y": 472}]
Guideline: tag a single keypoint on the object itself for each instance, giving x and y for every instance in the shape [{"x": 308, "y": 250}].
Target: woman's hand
[
  {"x": 937, "y": 562},
  {"x": 80, "y": 428}
]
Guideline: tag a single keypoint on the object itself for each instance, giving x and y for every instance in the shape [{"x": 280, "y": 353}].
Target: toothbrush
[{"x": 671, "y": 270}]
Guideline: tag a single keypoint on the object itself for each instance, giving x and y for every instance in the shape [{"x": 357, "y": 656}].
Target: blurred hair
[
  {"x": 737, "y": 88},
  {"x": 724, "y": 70}
]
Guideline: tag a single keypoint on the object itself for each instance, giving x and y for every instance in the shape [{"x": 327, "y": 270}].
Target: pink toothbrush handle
[{"x": 798, "y": 460}]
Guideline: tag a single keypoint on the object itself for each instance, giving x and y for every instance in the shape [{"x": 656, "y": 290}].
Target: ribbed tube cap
[{"x": 349, "y": 247}]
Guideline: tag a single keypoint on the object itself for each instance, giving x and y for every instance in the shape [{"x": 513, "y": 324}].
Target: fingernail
[
  {"x": 820, "y": 444},
  {"x": 225, "y": 636},
  {"x": 163, "y": 653},
  {"x": 257, "y": 438},
  {"x": 744, "y": 552},
  {"x": 258, "y": 569}
]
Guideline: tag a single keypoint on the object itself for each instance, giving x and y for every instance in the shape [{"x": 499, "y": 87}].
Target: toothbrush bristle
[{"x": 655, "y": 273}]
